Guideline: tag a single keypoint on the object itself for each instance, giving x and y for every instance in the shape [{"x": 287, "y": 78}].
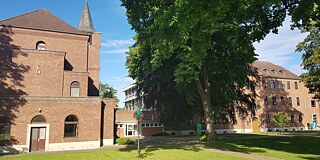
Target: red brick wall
[
  {"x": 81, "y": 77},
  {"x": 55, "y": 110},
  {"x": 151, "y": 131},
  {"x": 75, "y": 46},
  {"x": 52, "y": 80},
  {"x": 109, "y": 116},
  {"x": 125, "y": 116}
]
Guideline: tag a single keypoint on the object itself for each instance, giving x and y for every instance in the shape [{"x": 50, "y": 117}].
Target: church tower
[{"x": 94, "y": 44}]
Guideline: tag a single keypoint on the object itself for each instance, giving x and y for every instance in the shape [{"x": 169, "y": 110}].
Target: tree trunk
[{"x": 205, "y": 94}]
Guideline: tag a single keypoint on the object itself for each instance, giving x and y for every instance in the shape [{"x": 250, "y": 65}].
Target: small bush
[
  {"x": 161, "y": 134},
  {"x": 124, "y": 141},
  {"x": 203, "y": 138}
]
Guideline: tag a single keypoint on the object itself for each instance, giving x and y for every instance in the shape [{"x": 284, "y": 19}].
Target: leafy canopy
[{"x": 107, "y": 91}]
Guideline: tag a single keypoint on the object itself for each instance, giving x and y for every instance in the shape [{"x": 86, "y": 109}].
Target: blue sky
[{"x": 109, "y": 18}]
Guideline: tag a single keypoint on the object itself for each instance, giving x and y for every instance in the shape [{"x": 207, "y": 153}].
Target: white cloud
[
  {"x": 116, "y": 51},
  {"x": 122, "y": 80},
  {"x": 117, "y": 43},
  {"x": 280, "y": 48}
]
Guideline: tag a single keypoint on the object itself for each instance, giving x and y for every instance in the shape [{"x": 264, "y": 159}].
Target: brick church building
[{"x": 49, "y": 80}]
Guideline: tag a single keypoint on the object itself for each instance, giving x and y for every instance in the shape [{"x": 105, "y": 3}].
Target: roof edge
[{"x": 41, "y": 29}]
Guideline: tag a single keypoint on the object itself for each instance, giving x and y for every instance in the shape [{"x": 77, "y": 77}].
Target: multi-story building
[
  {"x": 282, "y": 91},
  {"x": 132, "y": 101},
  {"x": 127, "y": 122},
  {"x": 279, "y": 90},
  {"x": 49, "y": 82}
]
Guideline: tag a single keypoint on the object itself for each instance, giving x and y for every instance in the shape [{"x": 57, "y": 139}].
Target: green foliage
[
  {"x": 280, "y": 119},
  {"x": 200, "y": 52},
  {"x": 310, "y": 48},
  {"x": 203, "y": 138},
  {"x": 107, "y": 91},
  {"x": 124, "y": 141}
]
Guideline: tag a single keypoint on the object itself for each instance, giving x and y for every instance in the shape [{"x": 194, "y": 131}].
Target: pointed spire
[{"x": 86, "y": 21}]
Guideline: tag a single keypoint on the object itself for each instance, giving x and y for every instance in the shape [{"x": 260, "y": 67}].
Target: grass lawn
[
  {"x": 288, "y": 147},
  {"x": 166, "y": 153}
]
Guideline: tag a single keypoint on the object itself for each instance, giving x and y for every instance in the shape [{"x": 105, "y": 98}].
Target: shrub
[
  {"x": 203, "y": 138},
  {"x": 281, "y": 120},
  {"x": 124, "y": 140}
]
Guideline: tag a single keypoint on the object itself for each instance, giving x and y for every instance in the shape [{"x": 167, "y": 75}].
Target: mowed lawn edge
[
  {"x": 166, "y": 153},
  {"x": 283, "y": 147}
]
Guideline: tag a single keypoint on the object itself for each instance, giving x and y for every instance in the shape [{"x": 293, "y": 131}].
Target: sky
[{"x": 109, "y": 18}]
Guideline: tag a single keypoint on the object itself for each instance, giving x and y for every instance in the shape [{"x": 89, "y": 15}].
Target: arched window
[
  {"x": 38, "y": 119},
  {"x": 75, "y": 89},
  {"x": 41, "y": 45},
  {"x": 71, "y": 126},
  {"x": 4, "y": 130}
]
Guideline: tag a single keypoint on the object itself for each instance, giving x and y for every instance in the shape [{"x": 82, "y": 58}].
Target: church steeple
[{"x": 86, "y": 24}]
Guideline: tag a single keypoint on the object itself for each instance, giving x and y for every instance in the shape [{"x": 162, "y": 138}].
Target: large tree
[
  {"x": 311, "y": 61},
  {"x": 207, "y": 44},
  {"x": 310, "y": 49}
]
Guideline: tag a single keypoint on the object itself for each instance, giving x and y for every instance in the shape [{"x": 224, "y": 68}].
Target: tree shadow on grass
[
  {"x": 149, "y": 151},
  {"x": 302, "y": 145}
]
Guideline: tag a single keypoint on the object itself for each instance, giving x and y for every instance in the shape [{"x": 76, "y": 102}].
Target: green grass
[
  {"x": 166, "y": 153},
  {"x": 284, "y": 147}
]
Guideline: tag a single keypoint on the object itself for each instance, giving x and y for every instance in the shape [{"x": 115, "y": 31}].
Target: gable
[{"x": 40, "y": 19}]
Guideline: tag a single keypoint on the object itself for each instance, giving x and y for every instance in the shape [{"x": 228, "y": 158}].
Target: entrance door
[
  {"x": 38, "y": 139},
  {"x": 255, "y": 125}
]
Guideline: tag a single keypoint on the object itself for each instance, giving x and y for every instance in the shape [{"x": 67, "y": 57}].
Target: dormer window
[
  {"x": 272, "y": 70},
  {"x": 41, "y": 45},
  {"x": 281, "y": 71},
  {"x": 265, "y": 70}
]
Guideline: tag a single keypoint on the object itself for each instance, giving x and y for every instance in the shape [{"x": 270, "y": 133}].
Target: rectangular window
[
  {"x": 300, "y": 117},
  {"x": 75, "y": 92},
  {"x": 298, "y": 101},
  {"x": 272, "y": 84},
  {"x": 313, "y": 103},
  {"x": 296, "y": 85},
  {"x": 288, "y": 84},
  {"x": 282, "y": 100},
  {"x": 70, "y": 130},
  {"x": 266, "y": 100},
  {"x": 280, "y": 84},
  {"x": 264, "y": 85},
  {"x": 131, "y": 130},
  {"x": 274, "y": 100},
  {"x": 292, "y": 118},
  {"x": 4, "y": 131},
  {"x": 268, "y": 118},
  {"x": 290, "y": 101}
]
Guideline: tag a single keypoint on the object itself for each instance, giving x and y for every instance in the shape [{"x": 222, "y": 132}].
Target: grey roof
[
  {"x": 42, "y": 20},
  {"x": 268, "y": 69},
  {"x": 86, "y": 24}
]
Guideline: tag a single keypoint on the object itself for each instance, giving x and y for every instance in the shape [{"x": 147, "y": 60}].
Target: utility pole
[{"x": 138, "y": 116}]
